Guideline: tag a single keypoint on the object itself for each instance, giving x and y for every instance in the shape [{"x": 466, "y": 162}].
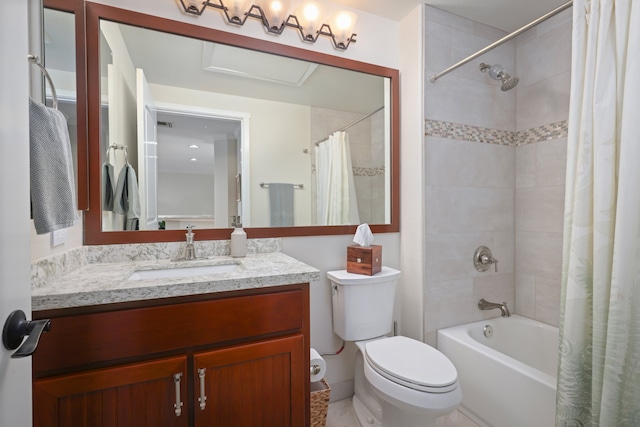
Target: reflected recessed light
[
  {"x": 193, "y": 146},
  {"x": 193, "y": 159}
]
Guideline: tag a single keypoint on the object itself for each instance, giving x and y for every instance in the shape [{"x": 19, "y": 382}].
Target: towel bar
[
  {"x": 34, "y": 60},
  {"x": 300, "y": 186}
]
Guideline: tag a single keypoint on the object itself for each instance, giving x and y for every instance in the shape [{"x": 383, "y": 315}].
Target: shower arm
[{"x": 503, "y": 40}]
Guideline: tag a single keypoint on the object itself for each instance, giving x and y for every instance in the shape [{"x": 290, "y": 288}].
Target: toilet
[{"x": 398, "y": 382}]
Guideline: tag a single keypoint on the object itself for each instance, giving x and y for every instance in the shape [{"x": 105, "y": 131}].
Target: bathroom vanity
[{"x": 223, "y": 349}]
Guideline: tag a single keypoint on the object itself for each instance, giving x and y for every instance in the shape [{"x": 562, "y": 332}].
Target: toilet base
[
  {"x": 364, "y": 417},
  {"x": 392, "y": 417},
  {"x": 396, "y": 417}
]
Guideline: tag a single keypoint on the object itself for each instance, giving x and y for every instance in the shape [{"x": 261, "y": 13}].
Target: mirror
[
  {"x": 63, "y": 55},
  {"x": 201, "y": 127},
  {"x": 60, "y": 62}
]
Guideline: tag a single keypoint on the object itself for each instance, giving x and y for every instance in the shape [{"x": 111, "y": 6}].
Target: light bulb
[
  {"x": 275, "y": 11},
  {"x": 311, "y": 12},
  {"x": 310, "y": 17},
  {"x": 342, "y": 26},
  {"x": 343, "y": 22}
]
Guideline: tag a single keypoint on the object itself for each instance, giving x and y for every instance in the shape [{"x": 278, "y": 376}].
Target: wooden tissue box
[{"x": 364, "y": 259}]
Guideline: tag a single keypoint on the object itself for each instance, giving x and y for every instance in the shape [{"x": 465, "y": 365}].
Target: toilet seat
[{"x": 412, "y": 364}]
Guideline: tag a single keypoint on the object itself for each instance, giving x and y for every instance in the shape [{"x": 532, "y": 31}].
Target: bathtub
[{"x": 509, "y": 378}]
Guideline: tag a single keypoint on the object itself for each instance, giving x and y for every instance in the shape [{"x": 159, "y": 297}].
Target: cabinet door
[
  {"x": 252, "y": 385},
  {"x": 142, "y": 394}
]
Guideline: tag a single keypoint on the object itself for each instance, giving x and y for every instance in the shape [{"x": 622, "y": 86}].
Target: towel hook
[
  {"x": 34, "y": 60},
  {"x": 115, "y": 147}
]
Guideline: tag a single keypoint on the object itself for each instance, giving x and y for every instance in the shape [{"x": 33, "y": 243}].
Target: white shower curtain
[
  {"x": 599, "y": 372},
  {"x": 336, "y": 195}
]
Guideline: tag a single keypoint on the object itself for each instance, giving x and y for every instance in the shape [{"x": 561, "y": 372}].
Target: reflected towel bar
[{"x": 300, "y": 186}]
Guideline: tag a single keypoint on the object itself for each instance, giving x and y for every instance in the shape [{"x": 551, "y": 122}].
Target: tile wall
[
  {"x": 494, "y": 170},
  {"x": 469, "y": 173},
  {"x": 543, "y": 57}
]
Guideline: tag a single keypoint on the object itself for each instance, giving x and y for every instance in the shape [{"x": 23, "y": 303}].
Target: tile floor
[{"x": 341, "y": 414}]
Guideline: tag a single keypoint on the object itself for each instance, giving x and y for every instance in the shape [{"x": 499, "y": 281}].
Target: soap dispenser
[{"x": 238, "y": 239}]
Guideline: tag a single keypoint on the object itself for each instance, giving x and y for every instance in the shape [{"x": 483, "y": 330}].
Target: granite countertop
[{"x": 106, "y": 283}]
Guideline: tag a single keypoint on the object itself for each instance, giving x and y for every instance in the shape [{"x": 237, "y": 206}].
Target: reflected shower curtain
[
  {"x": 599, "y": 371},
  {"x": 336, "y": 195}
]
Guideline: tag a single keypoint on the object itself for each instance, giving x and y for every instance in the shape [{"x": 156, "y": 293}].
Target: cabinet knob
[{"x": 17, "y": 327}]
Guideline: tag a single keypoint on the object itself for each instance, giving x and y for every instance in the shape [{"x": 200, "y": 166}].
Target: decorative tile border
[
  {"x": 377, "y": 171},
  {"x": 357, "y": 171},
  {"x": 470, "y": 133},
  {"x": 543, "y": 133}
]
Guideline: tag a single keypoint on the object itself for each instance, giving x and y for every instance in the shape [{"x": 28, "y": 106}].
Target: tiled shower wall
[
  {"x": 469, "y": 173},
  {"x": 494, "y": 170},
  {"x": 543, "y": 58}
]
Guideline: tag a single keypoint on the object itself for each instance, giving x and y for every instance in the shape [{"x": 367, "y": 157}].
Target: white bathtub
[{"x": 509, "y": 379}]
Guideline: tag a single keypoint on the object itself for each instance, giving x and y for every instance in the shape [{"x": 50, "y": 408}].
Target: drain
[{"x": 488, "y": 331}]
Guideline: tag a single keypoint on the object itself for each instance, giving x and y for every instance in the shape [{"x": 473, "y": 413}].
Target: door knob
[{"x": 17, "y": 327}]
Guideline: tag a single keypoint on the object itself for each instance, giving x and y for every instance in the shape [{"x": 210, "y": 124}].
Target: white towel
[{"x": 53, "y": 199}]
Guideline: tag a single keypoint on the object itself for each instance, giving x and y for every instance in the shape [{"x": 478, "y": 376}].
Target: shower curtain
[
  {"x": 336, "y": 194},
  {"x": 599, "y": 370}
]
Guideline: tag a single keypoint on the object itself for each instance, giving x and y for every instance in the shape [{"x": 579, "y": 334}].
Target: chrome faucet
[
  {"x": 189, "y": 248},
  {"x": 483, "y": 304}
]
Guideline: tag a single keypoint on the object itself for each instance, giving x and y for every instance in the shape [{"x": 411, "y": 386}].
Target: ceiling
[{"x": 507, "y": 15}]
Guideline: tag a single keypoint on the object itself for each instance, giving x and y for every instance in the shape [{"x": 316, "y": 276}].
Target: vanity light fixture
[
  {"x": 275, "y": 17},
  {"x": 194, "y": 146},
  {"x": 193, "y": 159}
]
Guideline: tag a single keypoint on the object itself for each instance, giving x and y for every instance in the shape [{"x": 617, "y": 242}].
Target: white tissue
[
  {"x": 363, "y": 236},
  {"x": 317, "y": 360}
]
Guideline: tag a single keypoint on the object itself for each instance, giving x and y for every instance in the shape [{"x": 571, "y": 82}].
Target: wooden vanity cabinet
[
  {"x": 141, "y": 394},
  {"x": 226, "y": 359}
]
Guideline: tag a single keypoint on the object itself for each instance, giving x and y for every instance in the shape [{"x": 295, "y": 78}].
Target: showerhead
[{"x": 497, "y": 72}]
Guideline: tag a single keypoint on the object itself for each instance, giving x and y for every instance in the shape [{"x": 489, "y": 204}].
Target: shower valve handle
[{"x": 483, "y": 258}]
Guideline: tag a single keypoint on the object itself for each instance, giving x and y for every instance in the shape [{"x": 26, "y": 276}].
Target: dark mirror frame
[{"x": 93, "y": 234}]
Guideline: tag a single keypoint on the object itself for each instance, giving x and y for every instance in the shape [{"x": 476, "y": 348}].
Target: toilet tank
[{"x": 363, "y": 305}]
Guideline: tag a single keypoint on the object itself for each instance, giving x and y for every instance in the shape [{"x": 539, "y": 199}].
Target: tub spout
[{"x": 486, "y": 305}]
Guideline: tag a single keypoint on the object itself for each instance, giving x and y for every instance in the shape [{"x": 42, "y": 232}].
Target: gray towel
[
  {"x": 108, "y": 187},
  {"x": 53, "y": 198},
  {"x": 127, "y": 200},
  {"x": 281, "y": 204}
]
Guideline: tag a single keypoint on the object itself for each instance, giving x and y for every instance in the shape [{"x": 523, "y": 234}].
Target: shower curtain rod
[
  {"x": 353, "y": 123},
  {"x": 503, "y": 40}
]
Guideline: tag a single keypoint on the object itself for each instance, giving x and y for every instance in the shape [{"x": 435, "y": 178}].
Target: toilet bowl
[{"x": 399, "y": 381}]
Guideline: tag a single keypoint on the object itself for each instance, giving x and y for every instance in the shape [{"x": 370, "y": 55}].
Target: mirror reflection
[
  {"x": 195, "y": 132},
  {"x": 60, "y": 61}
]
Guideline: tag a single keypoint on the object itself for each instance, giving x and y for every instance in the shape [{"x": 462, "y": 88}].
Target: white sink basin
[{"x": 196, "y": 270}]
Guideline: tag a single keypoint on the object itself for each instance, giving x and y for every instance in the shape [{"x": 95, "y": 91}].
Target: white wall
[
  {"x": 175, "y": 194},
  {"x": 412, "y": 209},
  {"x": 276, "y": 151},
  {"x": 122, "y": 110}
]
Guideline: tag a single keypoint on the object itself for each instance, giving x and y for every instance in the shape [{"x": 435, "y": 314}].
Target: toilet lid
[{"x": 412, "y": 363}]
